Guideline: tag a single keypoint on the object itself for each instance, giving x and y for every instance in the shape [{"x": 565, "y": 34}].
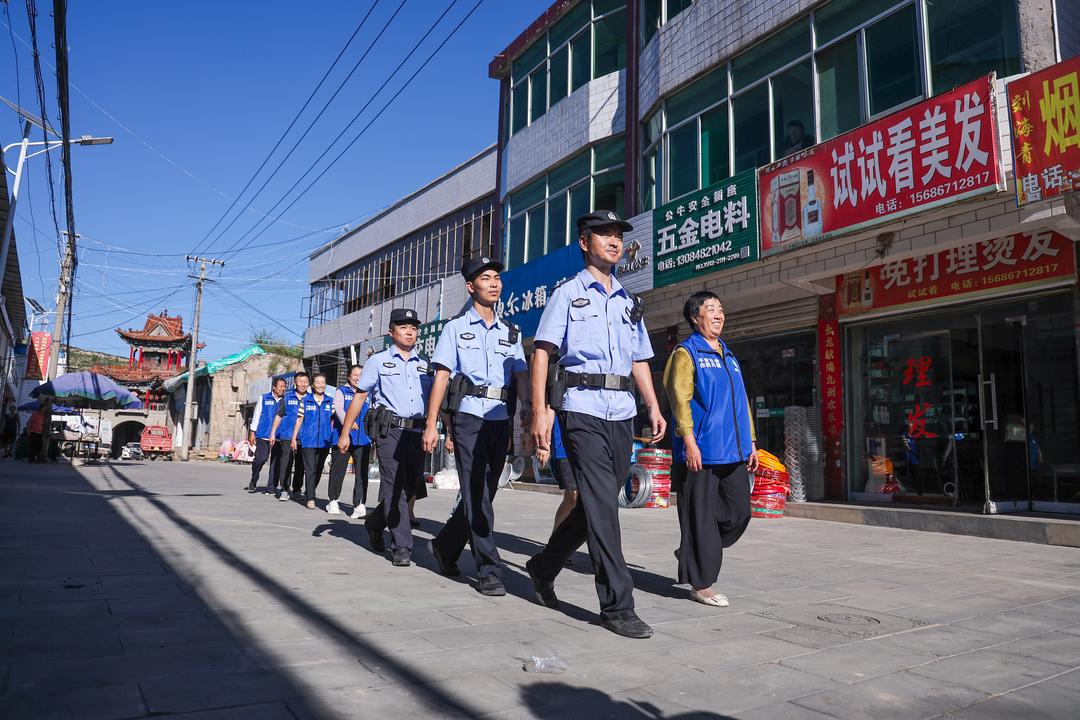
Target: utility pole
[
  {"x": 189, "y": 406},
  {"x": 67, "y": 269}
]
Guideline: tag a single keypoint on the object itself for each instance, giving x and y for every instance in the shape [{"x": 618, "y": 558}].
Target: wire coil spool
[{"x": 638, "y": 488}]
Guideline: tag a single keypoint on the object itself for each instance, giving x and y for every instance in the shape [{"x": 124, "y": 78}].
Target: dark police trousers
[
  {"x": 292, "y": 463},
  {"x": 314, "y": 461},
  {"x": 598, "y": 452},
  {"x": 339, "y": 465},
  {"x": 401, "y": 466},
  {"x": 263, "y": 453},
  {"x": 714, "y": 510},
  {"x": 480, "y": 451}
]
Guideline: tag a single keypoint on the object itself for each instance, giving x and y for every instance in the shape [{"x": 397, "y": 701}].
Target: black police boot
[
  {"x": 447, "y": 568},
  {"x": 402, "y": 557},
  {"x": 627, "y": 624},
  {"x": 491, "y": 586},
  {"x": 251, "y": 487},
  {"x": 545, "y": 591},
  {"x": 375, "y": 538}
]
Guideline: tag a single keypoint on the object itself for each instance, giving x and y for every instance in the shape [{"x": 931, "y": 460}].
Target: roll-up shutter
[{"x": 784, "y": 317}]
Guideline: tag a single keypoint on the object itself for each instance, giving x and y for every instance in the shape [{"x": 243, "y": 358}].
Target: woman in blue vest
[
  {"x": 314, "y": 428},
  {"x": 713, "y": 444},
  {"x": 359, "y": 450}
]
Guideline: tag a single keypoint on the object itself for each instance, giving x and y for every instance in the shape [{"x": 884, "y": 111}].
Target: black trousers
[
  {"x": 314, "y": 462},
  {"x": 714, "y": 510},
  {"x": 291, "y": 463},
  {"x": 339, "y": 465},
  {"x": 480, "y": 448},
  {"x": 598, "y": 452},
  {"x": 36, "y": 452},
  {"x": 401, "y": 467},
  {"x": 264, "y": 453}
]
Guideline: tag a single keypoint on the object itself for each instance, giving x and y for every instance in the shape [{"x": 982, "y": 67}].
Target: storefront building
[{"x": 831, "y": 170}]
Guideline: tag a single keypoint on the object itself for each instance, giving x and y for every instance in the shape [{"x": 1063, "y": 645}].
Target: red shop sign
[
  {"x": 936, "y": 152},
  {"x": 1024, "y": 259},
  {"x": 1045, "y": 110},
  {"x": 37, "y": 362}
]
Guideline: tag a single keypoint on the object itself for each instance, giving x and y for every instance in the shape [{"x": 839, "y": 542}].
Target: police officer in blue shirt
[
  {"x": 596, "y": 327},
  {"x": 313, "y": 430},
  {"x": 265, "y": 449},
  {"x": 399, "y": 382},
  {"x": 282, "y": 432},
  {"x": 484, "y": 355}
]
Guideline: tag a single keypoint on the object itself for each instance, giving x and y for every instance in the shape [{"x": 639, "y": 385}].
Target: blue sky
[{"x": 204, "y": 90}]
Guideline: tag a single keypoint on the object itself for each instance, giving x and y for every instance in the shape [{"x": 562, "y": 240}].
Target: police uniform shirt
[
  {"x": 398, "y": 382},
  {"x": 594, "y": 334},
  {"x": 484, "y": 354}
]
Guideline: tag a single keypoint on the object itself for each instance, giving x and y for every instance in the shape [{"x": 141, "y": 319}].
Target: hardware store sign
[{"x": 710, "y": 230}]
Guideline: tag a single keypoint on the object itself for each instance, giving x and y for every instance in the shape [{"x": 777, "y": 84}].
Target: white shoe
[
  {"x": 283, "y": 496},
  {"x": 332, "y": 508},
  {"x": 359, "y": 512}
]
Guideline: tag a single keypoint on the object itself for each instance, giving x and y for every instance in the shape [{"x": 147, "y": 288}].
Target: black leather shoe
[
  {"x": 376, "y": 539},
  {"x": 545, "y": 591},
  {"x": 491, "y": 586},
  {"x": 627, "y": 624},
  {"x": 402, "y": 557},
  {"x": 251, "y": 489},
  {"x": 447, "y": 568}
]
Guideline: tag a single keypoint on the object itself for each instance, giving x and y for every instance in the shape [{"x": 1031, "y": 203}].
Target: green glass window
[
  {"x": 892, "y": 60},
  {"x": 838, "y": 85},
  {"x": 609, "y": 191},
  {"x": 565, "y": 28},
  {"x": 793, "y": 110},
  {"x": 839, "y": 16},
  {"x": 697, "y": 96},
  {"x": 537, "y": 93},
  {"x": 970, "y": 39},
  {"x": 560, "y": 75},
  {"x": 580, "y": 60},
  {"x": 650, "y": 19},
  {"x": 569, "y": 172},
  {"x": 714, "y": 146},
  {"x": 648, "y": 180},
  {"x": 609, "y": 44},
  {"x": 682, "y": 152},
  {"x": 515, "y": 242},
  {"x": 528, "y": 60},
  {"x": 580, "y": 203},
  {"x": 556, "y": 223},
  {"x": 674, "y": 7},
  {"x": 519, "y": 114},
  {"x": 653, "y": 127},
  {"x": 535, "y": 229},
  {"x": 775, "y": 52},
  {"x": 609, "y": 153},
  {"x": 531, "y": 194},
  {"x": 751, "y": 113},
  {"x": 602, "y": 7}
]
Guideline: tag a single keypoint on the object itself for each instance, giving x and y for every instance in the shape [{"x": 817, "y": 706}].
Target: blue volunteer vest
[
  {"x": 357, "y": 436},
  {"x": 316, "y": 427},
  {"x": 721, "y": 414},
  {"x": 268, "y": 412},
  {"x": 288, "y": 420}
]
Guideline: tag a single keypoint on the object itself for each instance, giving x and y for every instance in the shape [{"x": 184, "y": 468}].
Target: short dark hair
[
  {"x": 587, "y": 232},
  {"x": 318, "y": 375},
  {"x": 299, "y": 375},
  {"x": 277, "y": 380},
  {"x": 355, "y": 367},
  {"x": 692, "y": 306},
  {"x": 798, "y": 124}
]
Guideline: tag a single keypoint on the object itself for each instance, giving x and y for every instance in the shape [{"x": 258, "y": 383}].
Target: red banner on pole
[
  {"x": 990, "y": 266},
  {"x": 938, "y": 151},
  {"x": 831, "y": 373},
  {"x": 1045, "y": 110},
  {"x": 37, "y": 360}
]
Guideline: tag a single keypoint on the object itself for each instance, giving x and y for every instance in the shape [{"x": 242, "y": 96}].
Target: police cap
[
  {"x": 404, "y": 316},
  {"x": 476, "y": 265},
  {"x": 600, "y": 218}
]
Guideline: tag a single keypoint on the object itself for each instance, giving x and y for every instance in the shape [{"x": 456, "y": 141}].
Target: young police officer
[
  {"x": 261, "y": 437},
  {"x": 596, "y": 327},
  {"x": 482, "y": 352},
  {"x": 282, "y": 432},
  {"x": 313, "y": 430},
  {"x": 399, "y": 382}
]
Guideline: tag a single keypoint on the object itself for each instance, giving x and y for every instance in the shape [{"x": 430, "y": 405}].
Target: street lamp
[
  {"x": 24, "y": 145},
  {"x": 37, "y": 311}
]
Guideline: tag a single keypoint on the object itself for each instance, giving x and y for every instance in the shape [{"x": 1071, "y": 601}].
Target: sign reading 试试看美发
[
  {"x": 710, "y": 230},
  {"x": 938, "y": 151},
  {"x": 1045, "y": 110}
]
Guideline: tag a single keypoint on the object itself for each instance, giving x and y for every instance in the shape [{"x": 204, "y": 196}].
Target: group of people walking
[{"x": 577, "y": 399}]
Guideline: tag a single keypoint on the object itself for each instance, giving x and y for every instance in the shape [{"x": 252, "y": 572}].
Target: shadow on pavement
[{"x": 560, "y": 700}]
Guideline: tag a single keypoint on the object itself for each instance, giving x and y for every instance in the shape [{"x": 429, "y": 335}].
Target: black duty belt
[
  {"x": 407, "y": 423},
  {"x": 599, "y": 381},
  {"x": 489, "y": 392}
]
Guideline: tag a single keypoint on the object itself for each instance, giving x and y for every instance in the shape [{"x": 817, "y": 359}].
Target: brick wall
[{"x": 229, "y": 393}]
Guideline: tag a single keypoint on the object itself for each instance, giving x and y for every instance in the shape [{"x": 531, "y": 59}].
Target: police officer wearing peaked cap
[
  {"x": 596, "y": 327},
  {"x": 399, "y": 382},
  {"x": 477, "y": 358}
]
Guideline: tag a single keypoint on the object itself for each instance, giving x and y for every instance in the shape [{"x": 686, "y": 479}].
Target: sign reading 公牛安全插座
[{"x": 707, "y": 231}]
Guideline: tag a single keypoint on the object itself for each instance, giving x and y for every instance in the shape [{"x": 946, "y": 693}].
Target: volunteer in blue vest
[
  {"x": 713, "y": 444},
  {"x": 265, "y": 447},
  {"x": 282, "y": 432},
  {"x": 359, "y": 450},
  {"x": 313, "y": 431},
  {"x": 484, "y": 355},
  {"x": 399, "y": 382},
  {"x": 596, "y": 327}
]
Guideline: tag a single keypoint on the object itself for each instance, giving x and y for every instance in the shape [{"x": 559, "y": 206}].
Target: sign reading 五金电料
[
  {"x": 938, "y": 151},
  {"x": 706, "y": 231},
  {"x": 1045, "y": 128}
]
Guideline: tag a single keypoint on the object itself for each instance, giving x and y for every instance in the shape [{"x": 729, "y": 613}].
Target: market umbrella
[
  {"x": 35, "y": 404},
  {"x": 86, "y": 390}
]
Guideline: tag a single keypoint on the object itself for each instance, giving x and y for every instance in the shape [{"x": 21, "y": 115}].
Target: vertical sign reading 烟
[
  {"x": 1045, "y": 111},
  {"x": 706, "y": 231}
]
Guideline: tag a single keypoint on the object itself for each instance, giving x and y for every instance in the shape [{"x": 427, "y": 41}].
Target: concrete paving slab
[
  {"x": 991, "y": 671},
  {"x": 893, "y": 697}
]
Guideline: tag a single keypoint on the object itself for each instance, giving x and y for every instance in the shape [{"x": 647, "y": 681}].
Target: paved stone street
[{"x": 132, "y": 590}]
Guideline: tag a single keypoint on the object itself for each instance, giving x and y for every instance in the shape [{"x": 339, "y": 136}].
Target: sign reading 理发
[{"x": 938, "y": 151}]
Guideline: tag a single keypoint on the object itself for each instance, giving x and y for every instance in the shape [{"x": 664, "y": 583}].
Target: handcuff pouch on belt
[
  {"x": 556, "y": 386},
  {"x": 460, "y": 387},
  {"x": 378, "y": 421}
]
